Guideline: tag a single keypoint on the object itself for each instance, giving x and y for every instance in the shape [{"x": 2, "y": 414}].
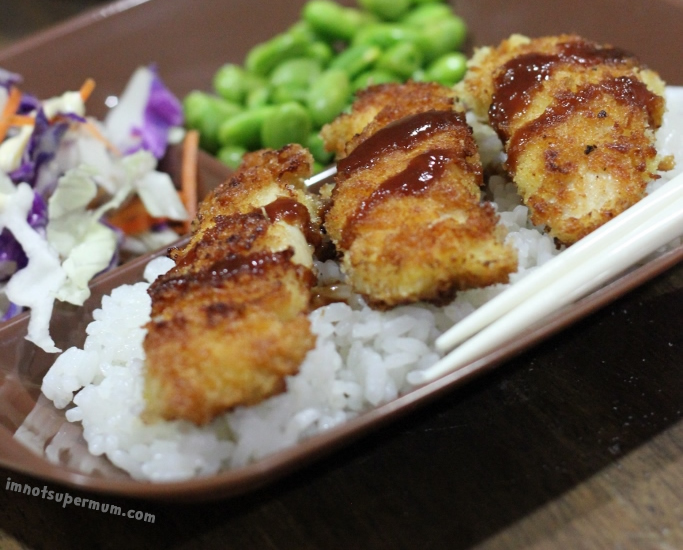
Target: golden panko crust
[
  {"x": 377, "y": 106},
  {"x": 578, "y": 120},
  {"x": 229, "y": 321},
  {"x": 406, "y": 211}
]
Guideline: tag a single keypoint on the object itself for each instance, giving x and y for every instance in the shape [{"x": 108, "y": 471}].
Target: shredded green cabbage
[
  {"x": 37, "y": 284},
  {"x": 77, "y": 234}
]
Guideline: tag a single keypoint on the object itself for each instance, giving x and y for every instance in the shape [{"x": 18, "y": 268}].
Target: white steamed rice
[{"x": 361, "y": 359}]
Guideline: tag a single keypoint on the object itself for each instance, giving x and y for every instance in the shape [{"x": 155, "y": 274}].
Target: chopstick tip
[
  {"x": 444, "y": 343},
  {"x": 417, "y": 378}
]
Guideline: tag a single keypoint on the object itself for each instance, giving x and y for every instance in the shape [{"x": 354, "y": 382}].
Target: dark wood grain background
[{"x": 576, "y": 444}]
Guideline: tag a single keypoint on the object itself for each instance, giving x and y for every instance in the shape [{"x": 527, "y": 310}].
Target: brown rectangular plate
[{"x": 189, "y": 40}]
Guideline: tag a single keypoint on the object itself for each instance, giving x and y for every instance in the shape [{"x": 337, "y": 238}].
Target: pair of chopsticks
[
  {"x": 623, "y": 241},
  {"x": 322, "y": 176}
]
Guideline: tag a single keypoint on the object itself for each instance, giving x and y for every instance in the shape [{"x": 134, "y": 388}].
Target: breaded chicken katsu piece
[
  {"x": 578, "y": 121},
  {"x": 381, "y": 105},
  {"x": 406, "y": 211},
  {"x": 229, "y": 321}
]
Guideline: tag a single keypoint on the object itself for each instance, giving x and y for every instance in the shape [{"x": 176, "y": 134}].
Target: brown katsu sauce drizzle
[
  {"x": 252, "y": 225},
  {"x": 331, "y": 294},
  {"x": 288, "y": 210},
  {"x": 590, "y": 54},
  {"x": 293, "y": 212},
  {"x": 225, "y": 268},
  {"x": 254, "y": 264},
  {"x": 625, "y": 90},
  {"x": 416, "y": 179},
  {"x": 398, "y": 135},
  {"x": 520, "y": 77}
]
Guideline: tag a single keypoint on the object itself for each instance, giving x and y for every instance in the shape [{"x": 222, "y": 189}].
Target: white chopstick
[
  {"x": 321, "y": 176},
  {"x": 620, "y": 243},
  {"x": 584, "y": 250}
]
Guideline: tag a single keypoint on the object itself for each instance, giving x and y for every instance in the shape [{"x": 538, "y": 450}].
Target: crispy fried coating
[
  {"x": 578, "y": 120},
  {"x": 229, "y": 321},
  {"x": 406, "y": 210},
  {"x": 377, "y": 106}
]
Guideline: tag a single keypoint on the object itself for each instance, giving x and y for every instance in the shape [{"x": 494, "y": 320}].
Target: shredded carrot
[
  {"x": 22, "y": 120},
  {"x": 132, "y": 218},
  {"x": 95, "y": 131},
  {"x": 10, "y": 108},
  {"x": 188, "y": 175},
  {"x": 9, "y": 118},
  {"x": 87, "y": 89}
]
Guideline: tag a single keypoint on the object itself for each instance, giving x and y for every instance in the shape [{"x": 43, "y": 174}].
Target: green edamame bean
[
  {"x": 402, "y": 59},
  {"x": 231, "y": 155},
  {"x": 288, "y": 92},
  {"x": 333, "y": 21},
  {"x": 447, "y": 69},
  {"x": 244, "y": 129},
  {"x": 316, "y": 48},
  {"x": 316, "y": 146},
  {"x": 443, "y": 36},
  {"x": 288, "y": 123},
  {"x": 370, "y": 78},
  {"x": 389, "y": 10},
  {"x": 195, "y": 105},
  {"x": 298, "y": 71},
  {"x": 356, "y": 59},
  {"x": 426, "y": 14},
  {"x": 328, "y": 96},
  {"x": 291, "y": 79},
  {"x": 233, "y": 83},
  {"x": 386, "y": 35},
  {"x": 264, "y": 57},
  {"x": 206, "y": 112},
  {"x": 304, "y": 30},
  {"x": 419, "y": 75},
  {"x": 321, "y": 51},
  {"x": 258, "y": 97}
]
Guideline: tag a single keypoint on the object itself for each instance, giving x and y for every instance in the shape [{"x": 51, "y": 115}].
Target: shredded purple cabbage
[
  {"x": 162, "y": 112},
  {"x": 12, "y": 256},
  {"x": 28, "y": 104},
  {"x": 37, "y": 217},
  {"x": 116, "y": 256},
  {"x": 12, "y": 311},
  {"x": 42, "y": 148},
  {"x": 9, "y": 79}
]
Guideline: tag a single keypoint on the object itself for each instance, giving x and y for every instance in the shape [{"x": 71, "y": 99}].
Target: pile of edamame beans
[{"x": 301, "y": 79}]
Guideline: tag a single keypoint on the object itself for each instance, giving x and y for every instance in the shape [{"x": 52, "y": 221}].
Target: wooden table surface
[{"x": 577, "y": 444}]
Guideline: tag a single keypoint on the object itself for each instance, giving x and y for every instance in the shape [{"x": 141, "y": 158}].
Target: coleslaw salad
[{"x": 76, "y": 192}]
